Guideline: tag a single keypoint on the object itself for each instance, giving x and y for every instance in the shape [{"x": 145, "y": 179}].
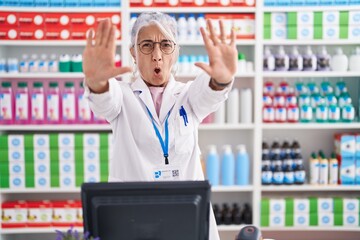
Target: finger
[
  {"x": 206, "y": 38},
  {"x": 122, "y": 70},
  {"x": 89, "y": 37},
  {"x": 212, "y": 32},
  {"x": 106, "y": 32},
  {"x": 232, "y": 36},
  {"x": 111, "y": 40},
  {"x": 222, "y": 31},
  {"x": 204, "y": 67},
  {"x": 98, "y": 34}
]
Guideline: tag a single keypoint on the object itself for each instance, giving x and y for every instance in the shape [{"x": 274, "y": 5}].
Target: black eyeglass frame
[{"x": 150, "y": 41}]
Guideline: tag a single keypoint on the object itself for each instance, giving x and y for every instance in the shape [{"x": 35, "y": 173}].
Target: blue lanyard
[{"x": 164, "y": 145}]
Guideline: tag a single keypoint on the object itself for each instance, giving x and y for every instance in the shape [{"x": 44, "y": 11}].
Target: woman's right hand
[{"x": 99, "y": 58}]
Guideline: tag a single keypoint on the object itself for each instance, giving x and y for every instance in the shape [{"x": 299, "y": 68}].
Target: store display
[{"x": 235, "y": 215}]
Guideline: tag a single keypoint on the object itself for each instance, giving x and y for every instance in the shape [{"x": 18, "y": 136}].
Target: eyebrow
[{"x": 148, "y": 40}]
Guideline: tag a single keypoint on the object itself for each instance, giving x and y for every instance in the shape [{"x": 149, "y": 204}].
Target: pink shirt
[{"x": 157, "y": 94}]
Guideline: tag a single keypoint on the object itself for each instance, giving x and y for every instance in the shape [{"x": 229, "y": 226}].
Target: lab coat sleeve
[
  {"x": 107, "y": 104},
  {"x": 203, "y": 99}
]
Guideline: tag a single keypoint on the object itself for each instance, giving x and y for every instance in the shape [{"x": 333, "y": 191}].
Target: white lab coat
[{"x": 137, "y": 152}]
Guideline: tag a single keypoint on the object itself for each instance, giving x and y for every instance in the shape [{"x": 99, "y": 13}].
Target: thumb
[
  {"x": 121, "y": 70},
  {"x": 204, "y": 67}
]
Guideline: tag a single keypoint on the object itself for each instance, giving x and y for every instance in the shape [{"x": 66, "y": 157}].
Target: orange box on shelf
[
  {"x": 39, "y": 213},
  {"x": 30, "y": 19},
  {"x": 244, "y": 25},
  {"x": 14, "y": 214},
  {"x": 8, "y": 19},
  {"x": 114, "y": 17},
  {"x": 8, "y": 33},
  {"x": 79, "y": 32},
  {"x": 57, "y": 19},
  {"x": 64, "y": 213},
  {"x": 57, "y": 33},
  {"x": 31, "y": 33},
  {"x": 82, "y": 19}
]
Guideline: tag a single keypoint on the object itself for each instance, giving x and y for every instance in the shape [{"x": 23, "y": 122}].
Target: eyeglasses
[{"x": 166, "y": 46}]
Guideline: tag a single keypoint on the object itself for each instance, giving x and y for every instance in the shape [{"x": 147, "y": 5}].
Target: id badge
[{"x": 166, "y": 173}]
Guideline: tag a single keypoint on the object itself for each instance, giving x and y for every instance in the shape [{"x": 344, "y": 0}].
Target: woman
[{"x": 155, "y": 119}]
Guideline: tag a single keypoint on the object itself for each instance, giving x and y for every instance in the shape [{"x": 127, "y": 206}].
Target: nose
[{"x": 157, "y": 54}]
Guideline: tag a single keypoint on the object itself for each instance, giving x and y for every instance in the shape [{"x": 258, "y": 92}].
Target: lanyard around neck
[{"x": 164, "y": 144}]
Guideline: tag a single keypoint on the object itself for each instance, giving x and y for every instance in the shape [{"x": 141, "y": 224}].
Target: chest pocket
[{"x": 184, "y": 139}]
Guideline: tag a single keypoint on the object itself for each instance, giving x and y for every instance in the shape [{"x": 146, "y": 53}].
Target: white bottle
[
  {"x": 241, "y": 68},
  {"x": 24, "y": 63},
  {"x": 201, "y": 22},
  {"x": 34, "y": 64},
  {"x": 339, "y": 62},
  {"x": 281, "y": 60},
  {"x": 192, "y": 27},
  {"x": 219, "y": 116},
  {"x": 53, "y": 63},
  {"x": 269, "y": 60},
  {"x": 43, "y": 63},
  {"x": 354, "y": 62},
  {"x": 245, "y": 105},
  {"x": 232, "y": 107},
  {"x": 182, "y": 27},
  {"x": 295, "y": 60},
  {"x": 309, "y": 60}
]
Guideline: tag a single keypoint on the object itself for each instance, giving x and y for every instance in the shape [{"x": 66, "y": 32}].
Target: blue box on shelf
[
  {"x": 114, "y": 3},
  {"x": 56, "y": 3},
  {"x": 297, "y": 3},
  {"x": 340, "y": 2},
  {"x": 100, "y": 3},
  {"x": 85, "y": 3},
  {"x": 283, "y": 2},
  {"x": 270, "y": 3},
  {"x": 11, "y": 3},
  {"x": 41, "y": 3},
  {"x": 311, "y": 2},
  {"x": 354, "y": 2},
  {"x": 71, "y": 3},
  {"x": 26, "y": 3},
  {"x": 326, "y": 2}
]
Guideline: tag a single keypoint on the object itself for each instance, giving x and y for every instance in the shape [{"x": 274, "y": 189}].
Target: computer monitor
[{"x": 147, "y": 210}]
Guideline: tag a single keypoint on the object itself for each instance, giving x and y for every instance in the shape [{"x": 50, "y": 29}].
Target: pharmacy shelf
[
  {"x": 306, "y": 126},
  {"x": 95, "y": 9},
  {"x": 45, "y": 43},
  {"x": 34, "y": 230},
  {"x": 213, "y": 126},
  {"x": 230, "y": 228},
  {"x": 238, "y": 42},
  {"x": 192, "y": 76},
  {"x": 195, "y": 9},
  {"x": 311, "y": 42},
  {"x": 312, "y": 74},
  {"x": 311, "y": 8},
  {"x": 323, "y": 229},
  {"x": 311, "y": 188},
  {"x": 41, "y": 75},
  {"x": 220, "y": 189},
  {"x": 59, "y": 127}
]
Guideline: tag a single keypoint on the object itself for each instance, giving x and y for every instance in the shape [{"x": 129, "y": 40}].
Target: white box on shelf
[
  {"x": 331, "y": 32},
  {"x": 301, "y": 219},
  {"x": 351, "y": 205},
  {"x": 41, "y": 155},
  {"x": 351, "y": 219},
  {"x": 42, "y": 181},
  {"x": 41, "y": 141},
  {"x": 91, "y": 140},
  {"x": 331, "y": 18},
  {"x": 67, "y": 181},
  {"x": 91, "y": 154},
  {"x": 17, "y": 181},
  {"x": 67, "y": 167},
  {"x": 16, "y": 141},
  {"x": 325, "y": 205},
  {"x": 66, "y": 154},
  {"x": 16, "y": 155},
  {"x": 325, "y": 219},
  {"x": 301, "y": 205},
  {"x": 277, "y": 220},
  {"x": 278, "y": 32},
  {"x": 42, "y": 168},
  {"x": 277, "y": 206},
  {"x": 354, "y": 32},
  {"x": 16, "y": 168},
  {"x": 305, "y": 18},
  {"x": 66, "y": 140},
  {"x": 354, "y": 18},
  {"x": 91, "y": 169},
  {"x": 278, "y": 19},
  {"x": 305, "y": 32}
]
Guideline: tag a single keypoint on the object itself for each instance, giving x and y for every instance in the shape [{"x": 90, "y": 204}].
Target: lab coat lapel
[
  {"x": 169, "y": 97},
  {"x": 145, "y": 96}
]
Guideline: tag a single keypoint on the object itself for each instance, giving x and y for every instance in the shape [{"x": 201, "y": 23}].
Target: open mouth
[{"x": 157, "y": 70}]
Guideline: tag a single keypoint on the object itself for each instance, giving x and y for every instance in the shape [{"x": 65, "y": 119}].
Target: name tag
[{"x": 170, "y": 173}]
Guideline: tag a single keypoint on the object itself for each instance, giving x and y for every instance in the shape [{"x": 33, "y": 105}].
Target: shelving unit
[{"x": 310, "y": 135}]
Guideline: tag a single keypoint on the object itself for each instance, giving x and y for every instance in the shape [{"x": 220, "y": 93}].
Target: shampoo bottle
[
  {"x": 227, "y": 167},
  {"x": 213, "y": 166},
  {"x": 339, "y": 62},
  {"x": 242, "y": 166}
]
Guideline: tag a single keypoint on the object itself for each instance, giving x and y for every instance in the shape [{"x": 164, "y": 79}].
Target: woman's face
[{"x": 155, "y": 67}]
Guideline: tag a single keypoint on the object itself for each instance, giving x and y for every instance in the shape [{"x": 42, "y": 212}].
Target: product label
[
  {"x": 266, "y": 177},
  {"x": 84, "y": 109},
  {"x": 64, "y": 215},
  {"x": 37, "y": 106},
  {"x": 37, "y": 215},
  {"x": 22, "y": 104},
  {"x": 53, "y": 107},
  {"x": 68, "y": 107},
  {"x": 5, "y": 107},
  {"x": 15, "y": 215}
]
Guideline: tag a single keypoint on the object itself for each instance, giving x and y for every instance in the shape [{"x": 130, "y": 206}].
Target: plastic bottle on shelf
[
  {"x": 245, "y": 105},
  {"x": 295, "y": 60},
  {"x": 219, "y": 116},
  {"x": 3, "y": 65},
  {"x": 269, "y": 88},
  {"x": 22, "y": 104},
  {"x": 53, "y": 64},
  {"x": 281, "y": 60},
  {"x": 24, "y": 63},
  {"x": 295, "y": 149},
  {"x": 76, "y": 63},
  {"x": 333, "y": 170},
  {"x": 278, "y": 175},
  {"x": 192, "y": 27},
  {"x": 306, "y": 113},
  {"x": 324, "y": 169},
  {"x": 247, "y": 214},
  {"x": 314, "y": 169},
  {"x": 117, "y": 60},
  {"x": 6, "y": 104},
  {"x": 323, "y": 60},
  {"x": 348, "y": 113},
  {"x": 84, "y": 112},
  {"x": 242, "y": 166},
  {"x": 232, "y": 107},
  {"x": 227, "y": 167},
  {"x": 339, "y": 62},
  {"x": 34, "y": 63},
  {"x": 213, "y": 166},
  {"x": 268, "y": 114},
  {"x": 344, "y": 99},
  {"x": 68, "y": 103},
  {"x": 275, "y": 148},
  {"x": 182, "y": 27},
  {"x": 299, "y": 174},
  {"x": 289, "y": 178},
  {"x": 265, "y": 148},
  {"x": 285, "y": 149},
  {"x": 38, "y": 103},
  {"x": 322, "y": 111},
  {"x": 64, "y": 63},
  {"x": 334, "y": 113},
  {"x": 53, "y": 113},
  {"x": 266, "y": 173},
  {"x": 326, "y": 88},
  {"x": 309, "y": 60},
  {"x": 241, "y": 64},
  {"x": 13, "y": 65},
  {"x": 340, "y": 88},
  {"x": 268, "y": 60},
  {"x": 200, "y": 22},
  {"x": 354, "y": 61}
]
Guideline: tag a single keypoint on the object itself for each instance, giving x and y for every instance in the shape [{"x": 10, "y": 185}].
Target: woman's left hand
[{"x": 222, "y": 55}]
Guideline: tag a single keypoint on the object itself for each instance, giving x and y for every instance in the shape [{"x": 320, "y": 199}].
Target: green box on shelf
[
  {"x": 313, "y": 221},
  {"x": 4, "y": 156},
  {"x": 4, "y": 142},
  {"x": 264, "y": 220},
  {"x": 289, "y": 206},
  {"x": 29, "y": 141},
  {"x": 318, "y": 19},
  {"x": 265, "y": 206},
  {"x": 292, "y": 32},
  {"x": 313, "y": 202},
  {"x": 104, "y": 140},
  {"x": 267, "y": 19},
  {"x": 4, "y": 181},
  {"x": 318, "y": 32},
  {"x": 289, "y": 220},
  {"x": 54, "y": 140},
  {"x": 338, "y": 220},
  {"x": 291, "y": 19},
  {"x": 338, "y": 205},
  {"x": 344, "y": 32},
  {"x": 344, "y": 18},
  {"x": 267, "y": 32}
]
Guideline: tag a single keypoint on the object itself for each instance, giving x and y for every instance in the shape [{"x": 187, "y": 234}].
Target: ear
[{"x": 132, "y": 51}]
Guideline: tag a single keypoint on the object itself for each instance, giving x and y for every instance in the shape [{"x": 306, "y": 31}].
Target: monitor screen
[{"x": 147, "y": 210}]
